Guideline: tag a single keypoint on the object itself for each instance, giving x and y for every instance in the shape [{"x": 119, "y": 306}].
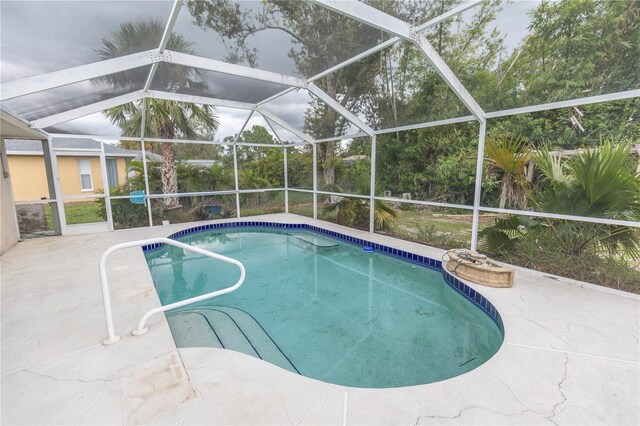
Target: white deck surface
[{"x": 570, "y": 355}]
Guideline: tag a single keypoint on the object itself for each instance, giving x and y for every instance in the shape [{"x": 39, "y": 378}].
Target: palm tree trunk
[
  {"x": 504, "y": 190},
  {"x": 169, "y": 176},
  {"x": 326, "y": 150}
]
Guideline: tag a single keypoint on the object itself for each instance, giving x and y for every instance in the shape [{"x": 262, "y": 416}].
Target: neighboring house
[
  {"x": 202, "y": 163},
  {"x": 353, "y": 159},
  {"x": 150, "y": 156},
  {"x": 158, "y": 158},
  {"x": 78, "y": 163}
]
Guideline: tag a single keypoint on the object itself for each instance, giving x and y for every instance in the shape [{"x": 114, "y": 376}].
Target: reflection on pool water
[{"x": 323, "y": 308}]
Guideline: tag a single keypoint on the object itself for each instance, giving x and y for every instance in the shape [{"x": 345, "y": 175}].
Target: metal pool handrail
[{"x": 111, "y": 336}]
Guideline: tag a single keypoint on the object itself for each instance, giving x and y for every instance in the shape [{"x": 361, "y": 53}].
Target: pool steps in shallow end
[{"x": 228, "y": 328}]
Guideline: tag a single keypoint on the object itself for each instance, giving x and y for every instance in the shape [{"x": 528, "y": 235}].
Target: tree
[
  {"x": 320, "y": 39},
  {"x": 257, "y": 134},
  {"x": 579, "y": 47},
  {"x": 598, "y": 182},
  {"x": 435, "y": 163},
  {"x": 574, "y": 48},
  {"x": 164, "y": 119},
  {"x": 511, "y": 156},
  {"x": 356, "y": 212}
]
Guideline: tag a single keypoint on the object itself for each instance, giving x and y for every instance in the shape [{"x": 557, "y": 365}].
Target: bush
[
  {"x": 429, "y": 234},
  {"x": 606, "y": 270},
  {"x": 125, "y": 213}
]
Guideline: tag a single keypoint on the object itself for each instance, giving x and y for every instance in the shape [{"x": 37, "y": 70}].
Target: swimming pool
[{"x": 316, "y": 304}]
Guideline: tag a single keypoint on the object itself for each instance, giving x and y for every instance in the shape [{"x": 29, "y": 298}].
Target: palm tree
[
  {"x": 599, "y": 182},
  {"x": 164, "y": 119},
  {"x": 511, "y": 156},
  {"x": 355, "y": 211},
  {"x": 249, "y": 179}
]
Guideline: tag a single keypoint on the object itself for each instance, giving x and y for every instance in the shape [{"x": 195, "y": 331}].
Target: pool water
[{"x": 323, "y": 308}]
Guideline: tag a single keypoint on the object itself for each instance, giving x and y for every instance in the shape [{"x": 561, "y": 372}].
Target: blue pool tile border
[{"x": 467, "y": 292}]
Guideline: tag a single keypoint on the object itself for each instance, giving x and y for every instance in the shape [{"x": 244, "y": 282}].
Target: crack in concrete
[
  {"x": 616, "y": 326},
  {"x": 554, "y": 412},
  {"x": 519, "y": 413},
  {"x": 93, "y": 402},
  {"x": 193, "y": 409},
  {"x": 512, "y": 392},
  {"x": 547, "y": 330},
  {"x": 77, "y": 379},
  {"x": 146, "y": 399},
  {"x": 324, "y": 401}
]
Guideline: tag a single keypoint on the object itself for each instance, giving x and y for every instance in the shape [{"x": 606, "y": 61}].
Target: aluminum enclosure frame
[{"x": 353, "y": 9}]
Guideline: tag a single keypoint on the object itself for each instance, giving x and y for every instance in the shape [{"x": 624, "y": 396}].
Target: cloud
[
  {"x": 95, "y": 124},
  {"x": 231, "y": 121}
]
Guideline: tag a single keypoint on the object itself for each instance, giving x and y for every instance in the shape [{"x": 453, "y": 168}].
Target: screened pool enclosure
[{"x": 339, "y": 89}]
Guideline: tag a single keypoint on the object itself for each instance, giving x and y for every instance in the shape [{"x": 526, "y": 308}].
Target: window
[
  {"x": 84, "y": 168},
  {"x": 112, "y": 172}
]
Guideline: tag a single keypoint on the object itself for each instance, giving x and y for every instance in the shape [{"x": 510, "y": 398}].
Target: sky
[{"x": 43, "y": 36}]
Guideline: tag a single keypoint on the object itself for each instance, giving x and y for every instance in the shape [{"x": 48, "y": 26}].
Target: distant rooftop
[
  {"x": 150, "y": 155},
  {"x": 34, "y": 147}
]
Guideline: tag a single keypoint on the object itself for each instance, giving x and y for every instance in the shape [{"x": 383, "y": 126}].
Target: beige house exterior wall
[{"x": 29, "y": 178}]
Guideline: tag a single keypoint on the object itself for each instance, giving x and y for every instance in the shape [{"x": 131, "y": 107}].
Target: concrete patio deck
[{"x": 570, "y": 355}]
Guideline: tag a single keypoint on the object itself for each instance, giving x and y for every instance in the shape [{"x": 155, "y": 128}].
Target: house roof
[
  {"x": 354, "y": 158},
  {"x": 64, "y": 146},
  {"x": 13, "y": 127},
  {"x": 150, "y": 155},
  {"x": 201, "y": 163}
]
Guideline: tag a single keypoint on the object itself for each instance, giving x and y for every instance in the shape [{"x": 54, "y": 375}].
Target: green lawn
[
  {"x": 76, "y": 213},
  {"x": 420, "y": 224},
  {"x": 459, "y": 225}
]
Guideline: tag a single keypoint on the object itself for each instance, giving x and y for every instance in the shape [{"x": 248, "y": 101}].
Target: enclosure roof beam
[
  {"x": 430, "y": 23},
  {"x": 274, "y": 131},
  {"x": 617, "y": 96},
  {"x": 87, "y": 110},
  {"x": 131, "y": 97},
  {"x": 239, "y": 134},
  {"x": 340, "y": 109},
  {"x": 449, "y": 76},
  {"x": 371, "y": 16},
  {"x": 277, "y": 95},
  {"x": 368, "y": 15},
  {"x": 38, "y": 83},
  {"x": 26, "y": 86},
  {"x": 203, "y": 100},
  {"x": 232, "y": 69},
  {"x": 436, "y": 123},
  {"x": 168, "y": 30},
  {"x": 449, "y": 14},
  {"x": 284, "y": 124}
]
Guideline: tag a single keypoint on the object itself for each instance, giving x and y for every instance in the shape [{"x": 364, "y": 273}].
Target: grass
[
  {"x": 424, "y": 225},
  {"x": 428, "y": 226},
  {"x": 76, "y": 213},
  {"x": 458, "y": 225},
  {"x": 596, "y": 268},
  {"x": 305, "y": 209},
  {"x": 260, "y": 210}
]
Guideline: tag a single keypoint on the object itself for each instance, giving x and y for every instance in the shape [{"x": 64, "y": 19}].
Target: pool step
[
  {"x": 313, "y": 240},
  {"x": 225, "y": 327}
]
